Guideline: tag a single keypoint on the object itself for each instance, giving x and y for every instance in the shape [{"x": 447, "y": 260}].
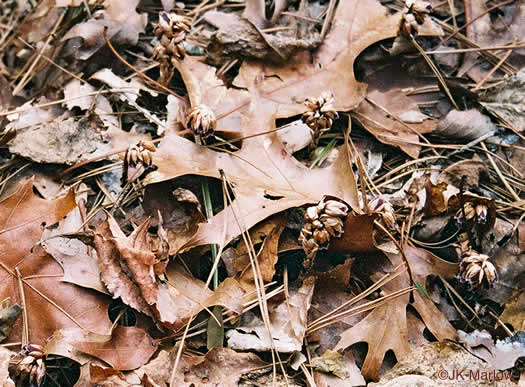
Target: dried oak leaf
[
  {"x": 265, "y": 178},
  {"x": 124, "y": 25},
  {"x": 356, "y": 25},
  {"x": 287, "y": 321},
  {"x": 127, "y": 268},
  {"x": 50, "y": 303},
  {"x": 385, "y": 328},
  {"x": 204, "y": 88},
  {"x": 124, "y": 348}
]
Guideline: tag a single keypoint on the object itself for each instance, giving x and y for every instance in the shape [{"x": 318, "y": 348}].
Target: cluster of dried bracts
[
  {"x": 28, "y": 365},
  {"x": 171, "y": 31}
]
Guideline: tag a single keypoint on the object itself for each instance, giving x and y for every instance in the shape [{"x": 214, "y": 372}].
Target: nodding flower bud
[
  {"x": 322, "y": 222},
  {"x": 477, "y": 270},
  {"x": 201, "y": 121},
  {"x": 385, "y": 211},
  {"x": 320, "y": 115}
]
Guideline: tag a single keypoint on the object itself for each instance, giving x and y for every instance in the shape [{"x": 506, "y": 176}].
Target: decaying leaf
[
  {"x": 52, "y": 135},
  {"x": 8, "y": 315},
  {"x": 465, "y": 125},
  {"x": 501, "y": 354},
  {"x": 507, "y": 101},
  {"x": 124, "y": 24},
  {"x": 51, "y": 304},
  {"x": 237, "y": 37},
  {"x": 287, "y": 320},
  {"x": 220, "y": 366}
]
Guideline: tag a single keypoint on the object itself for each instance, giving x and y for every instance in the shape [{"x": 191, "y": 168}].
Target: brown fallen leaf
[
  {"x": 53, "y": 135},
  {"x": 124, "y": 25},
  {"x": 267, "y": 258},
  {"x": 80, "y": 268},
  {"x": 220, "y": 366},
  {"x": 50, "y": 303},
  {"x": 126, "y": 348},
  {"x": 356, "y": 25},
  {"x": 385, "y": 328},
  {"x": 287, "y": 320},
  {"x": 390, "y": 115},
  {"x": 127, "y": 268},
  {"x": 205, "y": 88},
  {"x": 265, "y": 178}
]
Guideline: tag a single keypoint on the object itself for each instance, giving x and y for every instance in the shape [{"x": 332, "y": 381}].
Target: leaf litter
[{"x": 327, "y": 120}]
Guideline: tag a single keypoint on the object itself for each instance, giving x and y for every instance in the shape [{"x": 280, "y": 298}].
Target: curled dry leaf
[
  {"x": 264, "y": 177},
  {"x": 128, "y": 268},
  {"x": 385, "y": 328},
  {"x": 124, "y": 25},
  {"x": 267, "y": 258},
  {"x": 51, "y": 304},
  {"x": 287, "y": 321}
]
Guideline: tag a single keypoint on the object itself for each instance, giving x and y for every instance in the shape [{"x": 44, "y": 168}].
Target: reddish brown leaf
[
  {"x": 126, "y": 348},
  {"x": 50, "y": 303}
]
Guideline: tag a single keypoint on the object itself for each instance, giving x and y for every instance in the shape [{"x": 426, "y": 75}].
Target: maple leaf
[
  {"x": 49, "y": 303},
  {"x": 265, "y": 178},
  {"x": 385, "y": 328}
]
